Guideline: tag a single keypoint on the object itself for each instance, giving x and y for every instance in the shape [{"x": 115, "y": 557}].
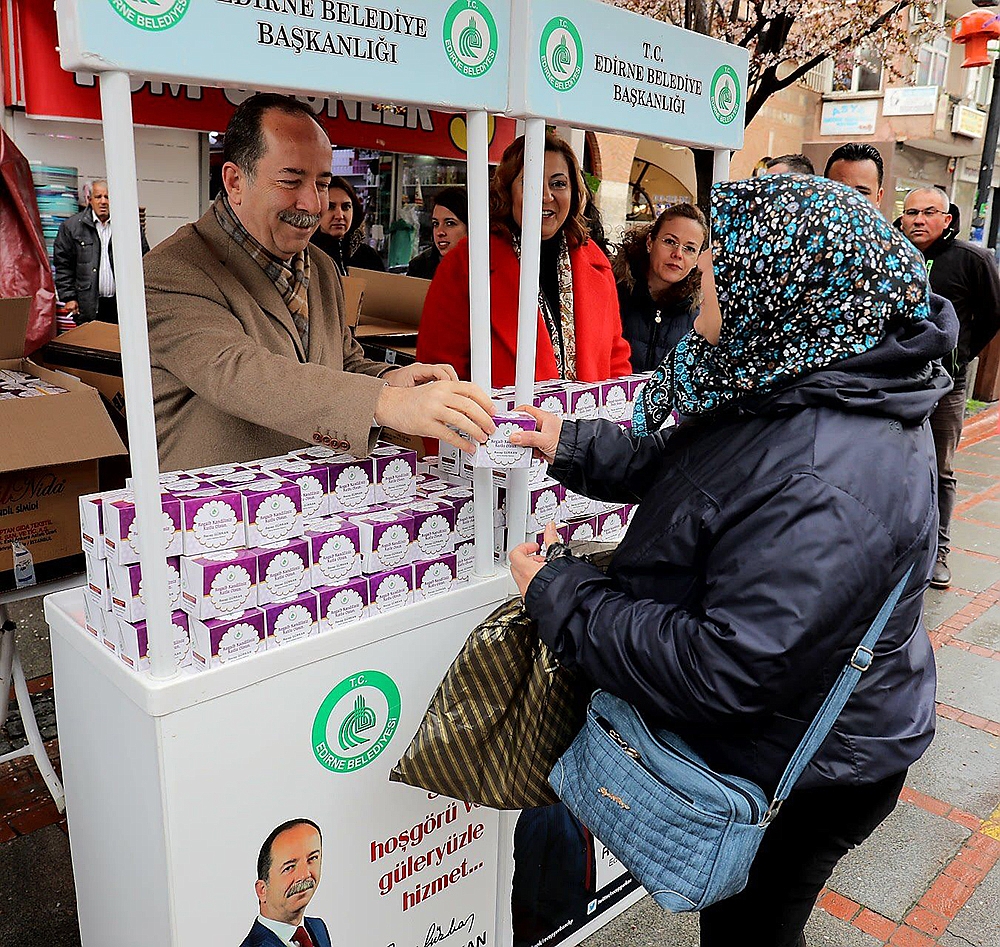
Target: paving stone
[
  {"x": 37, "y": 898},
  {"x": 825, "y": 930},
  {"x": 978, "y": 922},
  {"x": 990, "y": 446},
  {"x": 971, "y": 572},
  {"x": 32, "y": 637},
  {"x": 12, "y": 734},
  {"x": 975, "y": 537},
  {"x": 976, "y": 463},
  {"x": 987, "y": 510},
  {"x": 975, "y": 483},
  {"x": 940, "y": 604},
  {"x": 645, "y": 924},
  {"x": 985, "y": 630},
  {"x": 961, "y": 767},
  {"x": 969, "y": 682},
  {"x": 890, "y": 871}
]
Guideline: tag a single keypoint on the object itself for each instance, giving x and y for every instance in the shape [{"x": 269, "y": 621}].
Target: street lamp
[{"x": 974, "y": 30}]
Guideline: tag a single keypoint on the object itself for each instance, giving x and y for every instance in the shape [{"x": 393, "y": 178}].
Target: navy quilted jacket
[{"x": 765, "y": 542}]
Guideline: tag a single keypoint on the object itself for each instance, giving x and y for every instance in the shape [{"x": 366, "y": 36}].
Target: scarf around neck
[
  {"x": 291, "y": 279},
  {"x": 561, "y": 325},
  {"x": 807, "y": 273}
]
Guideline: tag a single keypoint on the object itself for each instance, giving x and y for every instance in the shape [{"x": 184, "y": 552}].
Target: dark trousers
[
  {"x": 946, "y": 425},
  {"x": 813, "y": 831},
  {"x": 107, "y": 309}
]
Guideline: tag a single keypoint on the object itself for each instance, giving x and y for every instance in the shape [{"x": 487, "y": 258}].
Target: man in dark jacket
[
  {"x": 84, "y": 260},
  {"x": 967, "y": 276}
]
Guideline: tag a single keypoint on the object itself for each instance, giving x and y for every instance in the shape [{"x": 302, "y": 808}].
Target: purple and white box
[
  {"x": 121, "y": 529},
  {"x": 237, "y": 479},
  {"x": 344, "y": 604},
  {"x": 133, "y": 641},
  {"x": 335, "y": 551},
  {"x": 582, "y": 529},
  {"x": 465, "y": 512},
  {"x": 94, "y": 616},
  {"x": 561, "y": 529},
  {"x": 126, "y": 596},
  {"x": 498, "y": 452},
  {"x": 449, "y": 459},
  {"x": 211, "y": 521},
  {"x": 217, "y": 470},
  {"x": 220, "y": 641},
  {"x": 616, "y": 405},
  {"x": 352, "y": 484},
  {"x": 296, "y": 620},
  {"x": 584, "y": 401},
  {"x": 219, "y": 584},
  {"x": 636, "y": 384},
  {"x": 395, "y": 474},
  {"x": 272, "y": 511},
  {"x": 433, "y": 529},
  {"x": 390, "y": 590},
  {"x": 434, "y": 577},
  {"x": 283, "y": 571},
  {"x": 428, "y": 485},
  {"x": 426, "y": 464},
  {"x": 92, "y": 520},
  {"x": 576, "y": 505},
  {"x": 611, "y": 526},
  {"x": 465, "y": 560},
  {"x": 313, "y": 480},
  {"x": 554, "y": 401},
  {"x": 385, "y": 539},
  {"x": 97, "y": 579}
]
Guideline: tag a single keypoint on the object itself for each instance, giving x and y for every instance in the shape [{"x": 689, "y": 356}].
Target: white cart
[{"x": 173, "y": 781}]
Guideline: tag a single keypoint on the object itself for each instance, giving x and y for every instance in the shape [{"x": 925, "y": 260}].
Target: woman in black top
[
  {"x": 449, "y": 224},
  {"x": 659, "y": 284},
  {"x": 341, "y": 231}
]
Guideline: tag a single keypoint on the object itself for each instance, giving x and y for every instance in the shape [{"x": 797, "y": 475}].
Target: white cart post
[{"x": 174, "y": 780}]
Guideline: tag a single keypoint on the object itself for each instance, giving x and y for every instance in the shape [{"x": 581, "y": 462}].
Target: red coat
[{"x": 601, "y": 351}]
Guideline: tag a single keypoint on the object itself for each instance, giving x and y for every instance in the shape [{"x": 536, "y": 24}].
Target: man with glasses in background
[{"x": 967, "y": 276}]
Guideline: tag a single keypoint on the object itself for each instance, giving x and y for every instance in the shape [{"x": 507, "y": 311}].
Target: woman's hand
[
  {"x": 526, "y": 561},
  {"x": 545, "y": 439}
]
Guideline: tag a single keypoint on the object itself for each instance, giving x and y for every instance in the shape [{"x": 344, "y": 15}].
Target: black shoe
[{"x": 941, "y": 576}]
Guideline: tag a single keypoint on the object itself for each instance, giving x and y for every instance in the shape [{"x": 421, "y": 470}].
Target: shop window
[{"x": 978, "y": 84}]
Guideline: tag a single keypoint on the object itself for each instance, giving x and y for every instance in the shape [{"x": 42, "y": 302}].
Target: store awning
[{"x": 35, "y": 81}]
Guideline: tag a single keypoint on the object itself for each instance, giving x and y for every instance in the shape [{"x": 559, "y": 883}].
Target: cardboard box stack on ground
[{"x": 50, "y": 450}]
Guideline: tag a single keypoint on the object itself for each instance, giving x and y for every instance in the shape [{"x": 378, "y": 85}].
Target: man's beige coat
[{"x": 231, "y": 381}]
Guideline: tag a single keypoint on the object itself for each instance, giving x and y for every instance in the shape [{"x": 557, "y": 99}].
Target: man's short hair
[
  {"x": 264, "y": 858},
  {"x": 97, "y": 181},
  {"x": 931, "y": 189},
  {"x": 244, "y": 143},
  {"x": 800, "y": 164},
  {"x": 857, "y": 151}
]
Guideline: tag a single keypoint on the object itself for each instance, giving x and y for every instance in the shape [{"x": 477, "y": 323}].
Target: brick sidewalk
[{"x": 929, "y": 877}]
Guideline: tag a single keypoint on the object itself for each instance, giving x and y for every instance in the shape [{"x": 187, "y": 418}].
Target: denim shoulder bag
[{"x": 687, "y": 833}]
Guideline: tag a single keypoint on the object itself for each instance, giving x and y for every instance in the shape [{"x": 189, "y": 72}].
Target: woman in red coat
[{"x": 579, "y": 326}]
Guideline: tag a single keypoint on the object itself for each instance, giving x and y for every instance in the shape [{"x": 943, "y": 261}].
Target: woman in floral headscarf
[{"x": 773, "y": 524}]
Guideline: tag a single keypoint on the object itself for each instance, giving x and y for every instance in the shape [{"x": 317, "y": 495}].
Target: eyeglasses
[
  {"x": 928, "y": 212},
  {"x": 688, "y": 249}
]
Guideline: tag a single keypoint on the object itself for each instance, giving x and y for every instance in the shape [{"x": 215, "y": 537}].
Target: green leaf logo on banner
[
  {"x": 152, "y": 15},
  {"x": 470, "y": 37},
  {"x": 560, "y": 53},
  {"x": 356, "y": 721},
  {"x": 725, "y": 94}
]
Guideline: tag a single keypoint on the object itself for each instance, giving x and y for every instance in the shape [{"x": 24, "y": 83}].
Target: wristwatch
[{"x": 557, "y": 551}]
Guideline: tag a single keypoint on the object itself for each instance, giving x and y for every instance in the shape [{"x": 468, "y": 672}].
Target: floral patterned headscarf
[{"x": 807, "y": 273}]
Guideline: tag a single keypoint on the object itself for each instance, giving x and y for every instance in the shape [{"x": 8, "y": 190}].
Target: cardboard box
[
  {"x": 91, "y": 352},
  {"x": 51, "y": 446},
  {"x": 286, "y": 622},
  {"x": 342, "y": 604},
  {"x": 391, "y": 304},
  {"x": 219, "y": 641}
]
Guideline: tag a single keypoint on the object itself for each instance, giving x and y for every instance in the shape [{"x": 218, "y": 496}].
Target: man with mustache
[
  {"x": 288, "y": 870},
  {"x": 250, "y": 352},
  {"x": 967, "y": 277}
]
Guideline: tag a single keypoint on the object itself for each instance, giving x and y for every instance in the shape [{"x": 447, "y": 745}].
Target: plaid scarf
[
  {"x": 561, "y": 326},
  {"x": 291, "y": 279}
]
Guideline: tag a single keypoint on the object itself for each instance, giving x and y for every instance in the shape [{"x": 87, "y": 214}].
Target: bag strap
[{"x": 827, "y": 714}]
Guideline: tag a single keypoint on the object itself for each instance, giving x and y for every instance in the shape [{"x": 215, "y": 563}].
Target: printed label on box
[
  {"x": 215, "y": 525},
  {"x": 284, "y": 574},
  {"x": 391, "y": 590}
]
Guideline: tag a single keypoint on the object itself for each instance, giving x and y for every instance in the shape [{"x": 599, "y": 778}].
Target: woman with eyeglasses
[
  {"x": 659, "y": 284},
  {"x": 579, "y": 331}
]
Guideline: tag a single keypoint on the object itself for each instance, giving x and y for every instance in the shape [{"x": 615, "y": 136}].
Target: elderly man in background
[
  {"x": 83, "y": 260},
  {"x": 967, "y": 276},
  {"x": 250, "y": 351}
]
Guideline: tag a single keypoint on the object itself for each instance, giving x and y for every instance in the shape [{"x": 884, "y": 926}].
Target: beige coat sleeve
[{"x": 241, "y": 361}]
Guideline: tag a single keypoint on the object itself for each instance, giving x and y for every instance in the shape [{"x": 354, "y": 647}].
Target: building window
[
  {"x": 857, "y": 71},
  {"x": 978, "y": 83},
  {"x": 932, "y": 61}
]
